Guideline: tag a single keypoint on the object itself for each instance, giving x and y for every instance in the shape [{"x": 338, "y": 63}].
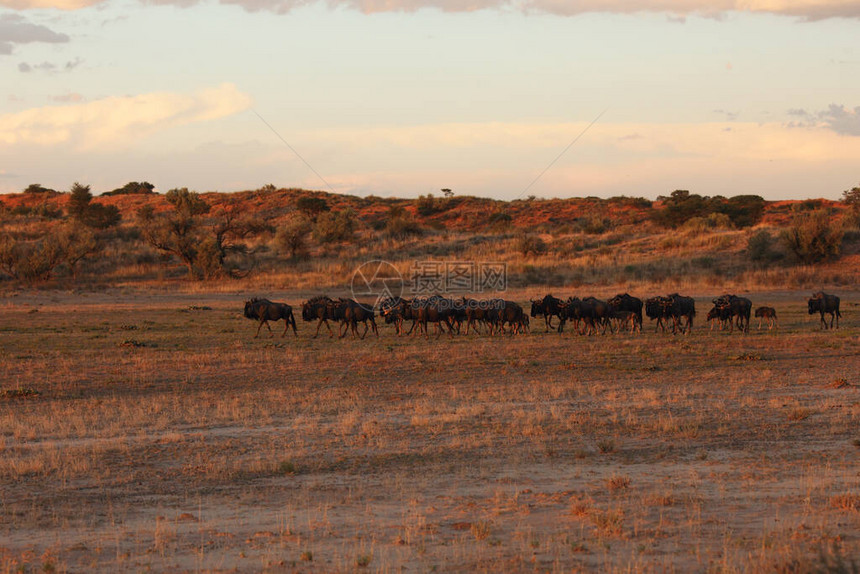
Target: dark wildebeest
[
  {"x": 720, "y": 314},
  {"x": 768, "y": 313},
  {"x": 396, "y": 310},
  {"x": 547, "y": 307},
  {"x": 626, "y": 319},
  {"x": 322, "y": 309},
  {"x": 524, "y": 324},
  {"x": 656, "y": 308},
  {"x": 476, "y": 311},
  {"x": 593, "y": 313},
  {"x": 458, "y": 312},
  {"x": 501, "y": 312},
  {"x": 823, "y": 303},
  {"x": 436, "y": 310},
  {"x": 352, "y": 313},
  {"x": 679, "y": 307},
  {"x": 265, "y": 311},
  {"x": 738, "y": 308},
  {"x": 625, "y": 302}
]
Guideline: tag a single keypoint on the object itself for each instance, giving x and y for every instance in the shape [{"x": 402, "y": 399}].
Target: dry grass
[{"x": 204, "y": 449}]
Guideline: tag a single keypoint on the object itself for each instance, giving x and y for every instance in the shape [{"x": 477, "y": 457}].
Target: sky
[{"x": 496, "y": 98}]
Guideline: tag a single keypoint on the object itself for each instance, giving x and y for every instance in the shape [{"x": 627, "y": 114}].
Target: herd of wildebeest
[{"x": 498, "y": 316}]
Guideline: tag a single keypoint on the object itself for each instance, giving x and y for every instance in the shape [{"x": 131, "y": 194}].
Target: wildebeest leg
[
  {"x": 327, "y": 326},
  {"x": 472, "y": 325},
  {"x": 549, "y": 326},
  {"x": 260, "y": 326}
]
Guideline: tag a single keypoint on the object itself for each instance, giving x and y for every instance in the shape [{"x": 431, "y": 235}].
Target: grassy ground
[{"x": 150, "y": 431}]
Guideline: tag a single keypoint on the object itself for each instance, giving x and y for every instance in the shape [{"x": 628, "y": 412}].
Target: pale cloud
[
  {"x": 118, "y": 121},
  {"x": 15, "y": 29},
  {"x": 677, "y": 9},
  {"x": 841, "y": 120},
  {"x": 71, "y": 97},
  {"x": 837, "y": 118},
  {"x": 44, "y": 4}
]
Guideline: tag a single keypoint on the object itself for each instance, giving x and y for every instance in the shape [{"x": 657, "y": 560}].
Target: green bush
[
  {"x": 813, "y": 236},
  {"x": 760, "y": 247},
  {"x": 401, "y": 227},
  {"x": 292, "y": 238},
  {"x": 426, "y": 205},
  {"x": 312, "y": 207},
  {"x": 335, "y": 227},
  {"x": 531, "y": 244}
]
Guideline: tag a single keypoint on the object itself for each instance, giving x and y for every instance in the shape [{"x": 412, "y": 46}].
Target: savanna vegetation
[{"x": 290, "y": 237}]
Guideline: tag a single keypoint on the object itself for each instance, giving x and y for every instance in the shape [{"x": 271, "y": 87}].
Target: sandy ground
[{"x": 149, "y": 431}]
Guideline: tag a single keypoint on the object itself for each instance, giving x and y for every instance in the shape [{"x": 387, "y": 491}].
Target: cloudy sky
[{"x": 501, "y": 98}]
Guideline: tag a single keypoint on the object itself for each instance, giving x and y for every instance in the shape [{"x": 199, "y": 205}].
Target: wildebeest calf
[
  {"x": 265, "y": 311},
  {"x": 768, "y": 313}
]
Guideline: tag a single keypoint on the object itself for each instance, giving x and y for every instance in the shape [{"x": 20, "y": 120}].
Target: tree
[
  {"x": 38, "y": 188},
  {"x": 743, "y": 210},
  {"x": 334, "y": 227},
  {"x": 35, "y": 261},
  {"x": 230, "y": 228},
  {"x": 813, "y": 237},
  {"x": 94, "y": 215},
  {"x": 447, "y": 192},
  {"x": 291, "y": 238},
  {"x": 79, "y": 200},
  {"x": 133, "y": 188},
  {"x": 178, "y": 233},
  {"x": 679, "y": 207},
  {"x": 851, "y": 198},
  {"x": 312, "y": 207}
]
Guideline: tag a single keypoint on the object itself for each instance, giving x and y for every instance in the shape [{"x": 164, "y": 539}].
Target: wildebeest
[
  {"x": 322, "y": 309},
  {"x": 265, "y": 311},
  {"x": 476, "y": 312},
  {"x": 682, "y": 308},
  {"x": 352, "y": 313},
  {"x": 593, "y": 313},
  {"x": 737, "y": 308},
  {"x": 626, "y": 319},
  {"x": 823, "y": 303},
  {"x": 657, "y": 308},
  {"x": 676, "y": 307},
  {"x": 396, "y": 310},
  {"x": 548, "y": 307},
  {"x": 720, "y": 314},
  {"x": 501, "y": 312},
  {"x": 768, "y": 313},
  {"x": 626, "y": 302},
  {"x": 436, "y": 310}
]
